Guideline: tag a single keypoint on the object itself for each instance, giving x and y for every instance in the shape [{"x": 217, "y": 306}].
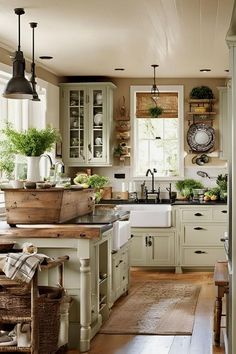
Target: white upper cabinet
[{"x": 86, "y": 118}]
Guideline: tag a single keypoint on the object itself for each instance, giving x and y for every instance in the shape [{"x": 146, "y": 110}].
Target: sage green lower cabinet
[
  {"x": 87, "y": 279},
  {"x": 120, "y": 271},
  {"x": 200, "y": 229},
  {"x": 152, "y": 247}
]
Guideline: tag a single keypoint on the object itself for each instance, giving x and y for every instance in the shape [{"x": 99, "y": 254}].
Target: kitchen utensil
[{"x": 204, "y": 175}]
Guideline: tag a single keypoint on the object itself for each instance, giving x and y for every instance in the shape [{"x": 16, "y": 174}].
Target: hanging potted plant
[
  {"x": 156, "y": 111},
  {"x": 31, "y": 143}
]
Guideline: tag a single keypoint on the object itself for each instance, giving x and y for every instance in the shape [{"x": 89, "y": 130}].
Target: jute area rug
[{"x": 155, "y": 307}]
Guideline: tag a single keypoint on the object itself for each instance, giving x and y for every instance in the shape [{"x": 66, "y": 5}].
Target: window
[
  {"x": 157, "y": 142},
  {"x": 22, "y": 114}
]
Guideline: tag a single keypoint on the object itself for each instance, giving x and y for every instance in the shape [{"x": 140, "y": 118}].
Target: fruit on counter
[
  {"x": 207, "y": 198},
  {"x": 214, "y": 197},
  {"x": 212, "y": 194}
]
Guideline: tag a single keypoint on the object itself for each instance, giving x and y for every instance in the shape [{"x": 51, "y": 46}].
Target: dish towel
[{"x": 22, "y": 266}]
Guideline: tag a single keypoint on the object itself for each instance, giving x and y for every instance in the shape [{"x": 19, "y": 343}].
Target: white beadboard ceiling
[{"x": 92, "y": 37}]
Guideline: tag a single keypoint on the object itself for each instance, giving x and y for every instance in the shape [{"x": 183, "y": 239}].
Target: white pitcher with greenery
[{"x": 32, "y": 143}]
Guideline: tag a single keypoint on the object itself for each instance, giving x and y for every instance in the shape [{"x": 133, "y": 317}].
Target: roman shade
[{"x": 167, "y": 100}]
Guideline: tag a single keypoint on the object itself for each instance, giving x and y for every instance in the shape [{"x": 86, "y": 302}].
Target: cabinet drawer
[
  {"x": 220, "y": 214},
  {"x": 202, "y": 256},
  {"x": 204, "y": 234},
  {"x": 196, "y": 214}
]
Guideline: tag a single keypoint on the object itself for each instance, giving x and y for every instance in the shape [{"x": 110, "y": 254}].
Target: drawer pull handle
[
  {"x": 198, "y": 214},
  {"x": 224, "y": 239},
  {"x": 131, "y": 235},
  {"x": 224, "y": 211},
  {"x": 200, "y": 252},
  {"x": 198, "y": 228}
]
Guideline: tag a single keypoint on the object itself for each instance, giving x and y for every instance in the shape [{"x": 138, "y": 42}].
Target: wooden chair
[{"x": 221, "y": 279}]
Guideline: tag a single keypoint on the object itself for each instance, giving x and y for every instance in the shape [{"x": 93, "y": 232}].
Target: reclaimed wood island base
[{"x": 87, "y": 274}]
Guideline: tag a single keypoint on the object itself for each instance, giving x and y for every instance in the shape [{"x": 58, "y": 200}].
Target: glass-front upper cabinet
[{"x": 86, "y": 116}]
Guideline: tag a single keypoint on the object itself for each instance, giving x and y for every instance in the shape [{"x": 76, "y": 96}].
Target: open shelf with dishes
[
  {"x": 201, "y": 110},
  {"x": 201, "y": 134},
  {"x": 122, "y": 133}
]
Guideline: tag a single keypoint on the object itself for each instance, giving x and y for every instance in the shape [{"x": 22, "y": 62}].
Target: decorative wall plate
[{"x": 201, "y": 137}]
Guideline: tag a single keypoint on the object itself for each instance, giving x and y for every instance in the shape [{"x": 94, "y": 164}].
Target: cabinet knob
[
  {"x": 224, "y": 211},
  {"x": 132, "y": 235},
  {"x": 198, "y": 214},
  {"x": 200, "y": 252},
  {"x": 198, "y": 228}
]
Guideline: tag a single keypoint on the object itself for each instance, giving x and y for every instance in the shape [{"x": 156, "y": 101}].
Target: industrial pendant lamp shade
[
  {"x": 18, "y": 86},
  {"x": 154, "y": 90},
  {"x": 33, "y": 25}
]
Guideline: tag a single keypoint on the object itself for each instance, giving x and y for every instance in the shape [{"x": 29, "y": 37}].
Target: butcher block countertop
[
  {"x": 53, "y": 231},
  {"x": 90, "y": 226}
]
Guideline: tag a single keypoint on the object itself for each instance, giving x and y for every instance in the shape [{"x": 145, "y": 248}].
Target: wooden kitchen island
[{"x": 87, "y": 275}]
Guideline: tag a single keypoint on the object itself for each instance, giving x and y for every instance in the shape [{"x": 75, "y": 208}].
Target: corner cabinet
[{"x": 86, "y": 117}]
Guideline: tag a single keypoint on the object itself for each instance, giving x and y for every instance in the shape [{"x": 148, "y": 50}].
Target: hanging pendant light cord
[
  {"x": 154, "y": 90},
  {"x": 18, "y": 32}
]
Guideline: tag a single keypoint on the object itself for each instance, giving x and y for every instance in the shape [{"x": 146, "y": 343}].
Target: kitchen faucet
[
  {"x": 153, "y": 191},
  {"x": 152, "y": 174}
]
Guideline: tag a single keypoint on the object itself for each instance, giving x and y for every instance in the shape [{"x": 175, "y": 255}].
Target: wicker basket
[{"x": 48, "y": 313}]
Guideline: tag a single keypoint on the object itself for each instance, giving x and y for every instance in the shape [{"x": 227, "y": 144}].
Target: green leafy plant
[
  {"x": 32, "y": 142},
  {"x": 7, "y": 159},
  {"x": 201, "y": 92},
  {"x": 222, "y": 181},
  {"x": 94, "y": 181},
  {"x": 186, "y": 187},
  {"x": 156, "y": 111},
  {"x": 117, "y": 151},
  {"x": 97, "y": 182}
]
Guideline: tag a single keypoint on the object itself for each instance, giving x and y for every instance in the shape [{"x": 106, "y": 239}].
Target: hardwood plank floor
[{"x": 199, "y": 343}]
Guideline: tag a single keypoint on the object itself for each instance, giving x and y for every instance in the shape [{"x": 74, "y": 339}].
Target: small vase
[{"x": 33, "y": 173}]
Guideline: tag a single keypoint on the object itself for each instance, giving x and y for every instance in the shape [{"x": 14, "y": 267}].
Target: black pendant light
[
  {"x": 18, "y": 86},
  {"x": 154, "y": 90},
  {"x": 33, "y": 25}
]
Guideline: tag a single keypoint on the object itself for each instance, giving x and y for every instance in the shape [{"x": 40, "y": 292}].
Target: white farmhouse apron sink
[{"x": 152, "y": 215}]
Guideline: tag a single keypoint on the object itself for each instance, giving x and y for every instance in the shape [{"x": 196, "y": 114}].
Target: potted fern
[
  {"x": 31, "y": 143},
  {"x": 156, "y": 111}
]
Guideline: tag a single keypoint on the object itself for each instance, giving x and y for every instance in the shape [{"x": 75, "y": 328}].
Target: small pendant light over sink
[
  {"x": 154, "y": 90},
  {"x": 18, "y": 86}
]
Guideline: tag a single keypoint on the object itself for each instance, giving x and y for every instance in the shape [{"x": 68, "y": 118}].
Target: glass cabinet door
[
  {"x": 76, "y": 131},
  {"x": 97, "y": 142}
]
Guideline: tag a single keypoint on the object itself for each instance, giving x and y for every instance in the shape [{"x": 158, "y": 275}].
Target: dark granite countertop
[
  {"x": 163, "y": 201},
  {"x": 100, "y": 216}
]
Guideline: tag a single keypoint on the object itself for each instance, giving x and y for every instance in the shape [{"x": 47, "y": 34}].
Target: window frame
[{"x": 162, "y": 88}]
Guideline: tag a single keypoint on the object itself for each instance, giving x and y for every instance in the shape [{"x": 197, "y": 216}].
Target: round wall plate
[{"x": 201, "y": 137}]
